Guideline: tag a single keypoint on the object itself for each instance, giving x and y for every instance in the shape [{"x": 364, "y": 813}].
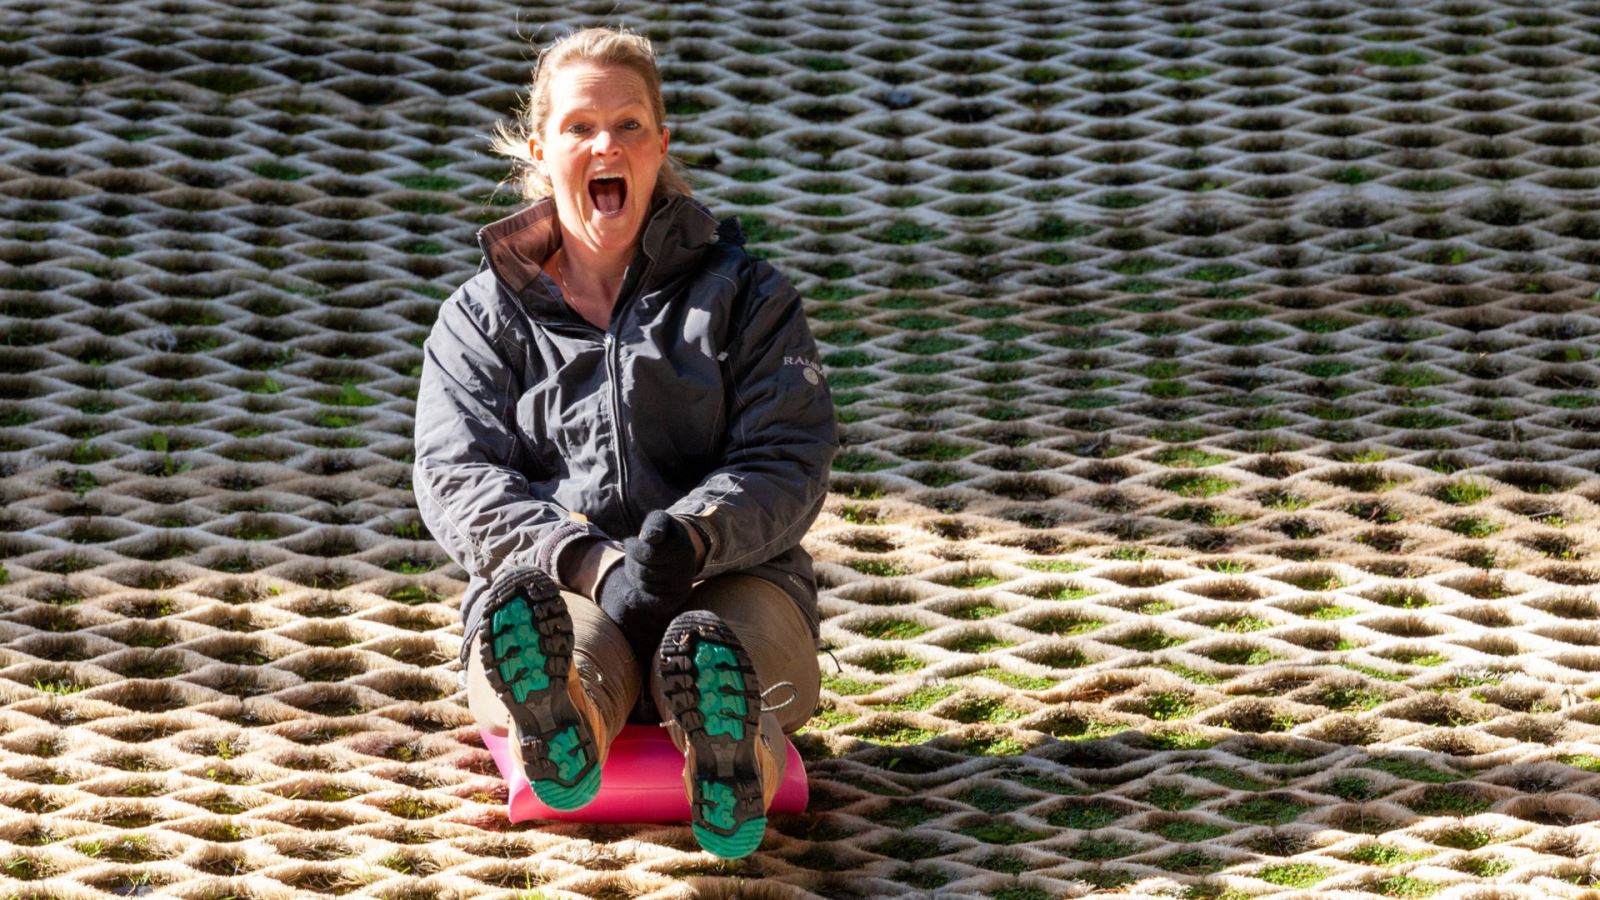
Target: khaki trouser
[{"x": 767, "y": 621}]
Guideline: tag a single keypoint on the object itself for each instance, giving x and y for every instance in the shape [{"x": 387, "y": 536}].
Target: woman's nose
[{"x": 604, "y": 143}]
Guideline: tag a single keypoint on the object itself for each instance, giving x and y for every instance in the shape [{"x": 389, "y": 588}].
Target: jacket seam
[
  {"x": 499, "y": 338},
  {"x": 747, "y": 312},
  {"x": 738, "y": 561},
  {"x": 743, "y": 431},
  {"x": 706, "y": 504},
  {"x": 476, "y": 555},
  {"x": 478, "y": 317},
  {"x": 506, "y": 404},
  {"x": 756, "y": 551},
  {"x": 506, "y": 401}
]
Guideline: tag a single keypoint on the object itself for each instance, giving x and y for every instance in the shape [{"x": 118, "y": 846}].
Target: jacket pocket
[
  {"x": 537, "y": 437},
  {"x": 677, "y": 415}
]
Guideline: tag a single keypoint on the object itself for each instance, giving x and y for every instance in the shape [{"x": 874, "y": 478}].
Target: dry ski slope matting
[{"x": 1217, "y": 511}]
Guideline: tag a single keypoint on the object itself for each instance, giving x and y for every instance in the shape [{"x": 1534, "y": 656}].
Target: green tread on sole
[
  {"x": 717, "y": 803},
  {"x": 566, "y": 751},
  {"x": 733, "y": 846},
  {"x": 514, "y": 631},
  {"x": 560, "y": 797},
  {"x": 721, "y": 687}
]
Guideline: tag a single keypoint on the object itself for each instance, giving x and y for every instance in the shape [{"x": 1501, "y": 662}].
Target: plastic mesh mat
[{"x": 1216, "y": 520}]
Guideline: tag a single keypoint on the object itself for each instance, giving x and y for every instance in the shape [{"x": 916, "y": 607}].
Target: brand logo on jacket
[{"x": 813, "y": 371}]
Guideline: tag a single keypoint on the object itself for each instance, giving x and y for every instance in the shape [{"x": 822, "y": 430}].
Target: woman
[{"x": 622, "y": 435}]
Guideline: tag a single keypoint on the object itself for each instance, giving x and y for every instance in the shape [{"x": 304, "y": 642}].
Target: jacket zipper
[
  {"x": 613, "y": 353},
  {"x": 614, "y": 398},
  {"x": 614, "y": 375}
]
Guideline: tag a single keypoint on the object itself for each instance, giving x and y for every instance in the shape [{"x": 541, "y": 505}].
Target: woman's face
[{"x": 603, "y": 150}]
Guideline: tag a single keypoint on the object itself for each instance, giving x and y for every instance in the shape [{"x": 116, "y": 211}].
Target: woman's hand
[
  {"x": 642, "y": 615},
  {"x": 643, "y": 593},
  {"x": 662, "y": 557}
]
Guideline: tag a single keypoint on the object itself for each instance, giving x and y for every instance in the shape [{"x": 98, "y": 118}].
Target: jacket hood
[{"x": 676, "y": 234}]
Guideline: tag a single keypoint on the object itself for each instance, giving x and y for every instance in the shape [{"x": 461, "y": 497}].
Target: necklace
[
  {"x": 571, "y": 298},
  {"x": 561, "y": 273}
]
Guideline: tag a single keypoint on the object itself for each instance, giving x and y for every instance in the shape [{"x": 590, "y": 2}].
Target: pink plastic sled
[{"x": 641, "y": 781}]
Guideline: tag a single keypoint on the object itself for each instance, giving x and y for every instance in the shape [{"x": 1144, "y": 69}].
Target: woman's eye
[
  {"x": 577, "y": 128},
  {"x": 631, "y": 125}
]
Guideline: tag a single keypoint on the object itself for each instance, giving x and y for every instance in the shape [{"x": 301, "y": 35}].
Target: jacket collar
[{"x": 676, "y": 234}]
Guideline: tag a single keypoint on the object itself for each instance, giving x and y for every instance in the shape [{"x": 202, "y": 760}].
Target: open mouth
[{"x": 608, "y": 192}]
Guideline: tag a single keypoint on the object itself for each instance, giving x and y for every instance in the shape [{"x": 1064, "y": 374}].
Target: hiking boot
[
  {"x": 525, "y": 646},
  {"x": 733, "y": 755}
]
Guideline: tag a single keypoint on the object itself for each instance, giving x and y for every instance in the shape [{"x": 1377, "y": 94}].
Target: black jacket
[{"x": 705, "y": 397}]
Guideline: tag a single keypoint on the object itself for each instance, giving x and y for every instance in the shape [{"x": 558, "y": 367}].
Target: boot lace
[{"x": 794, "y": 694}]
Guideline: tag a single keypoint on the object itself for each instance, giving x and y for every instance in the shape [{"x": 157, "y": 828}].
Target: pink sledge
[{"x": 642, "y": 781}]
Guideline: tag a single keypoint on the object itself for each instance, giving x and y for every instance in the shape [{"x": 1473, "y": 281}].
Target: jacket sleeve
[
  {"x": 781, "y": 439},
  {"x": 472, "y": 496}
]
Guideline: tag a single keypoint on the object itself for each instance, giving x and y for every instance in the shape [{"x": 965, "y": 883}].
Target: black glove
[
  {"x": 643, "y": 615},
  {"x": 661, "y": 559}
]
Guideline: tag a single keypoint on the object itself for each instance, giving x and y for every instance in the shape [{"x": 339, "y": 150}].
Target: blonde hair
[{"x": 599, "y": 46}]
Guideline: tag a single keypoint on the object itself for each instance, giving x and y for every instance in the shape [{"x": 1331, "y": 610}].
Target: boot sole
[
  {"x": 712, "y": 692},
  {"x": 527, "y": 657}
]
